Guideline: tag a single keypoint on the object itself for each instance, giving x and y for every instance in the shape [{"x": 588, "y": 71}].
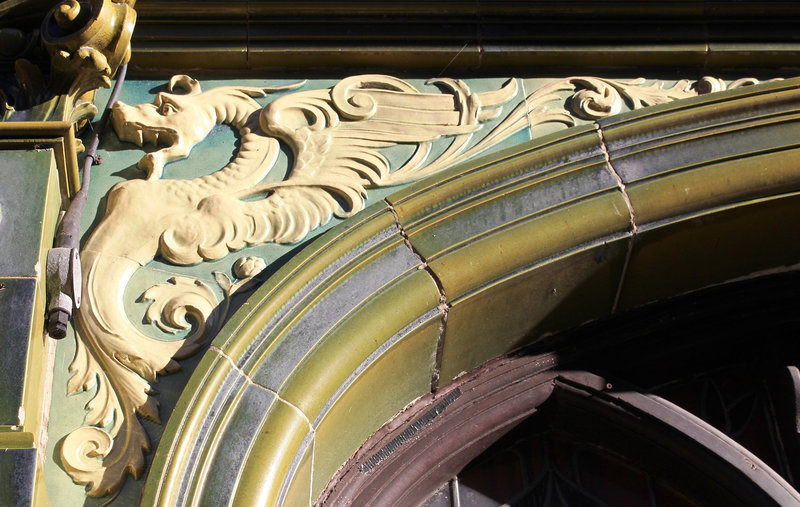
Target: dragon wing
[{"x": 336, "y": 135}]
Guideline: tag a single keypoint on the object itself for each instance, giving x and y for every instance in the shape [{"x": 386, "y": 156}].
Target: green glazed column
[{"x": 29, "y": 205}]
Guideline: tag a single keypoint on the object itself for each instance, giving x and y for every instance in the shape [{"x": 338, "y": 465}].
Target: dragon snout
[{"x": 118, "y": 119}]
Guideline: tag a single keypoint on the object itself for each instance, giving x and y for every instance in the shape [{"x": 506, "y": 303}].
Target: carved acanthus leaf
[{"x": 178, "y": 299}]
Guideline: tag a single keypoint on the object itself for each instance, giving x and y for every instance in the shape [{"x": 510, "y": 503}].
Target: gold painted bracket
[{"x": 86, "y": 42}]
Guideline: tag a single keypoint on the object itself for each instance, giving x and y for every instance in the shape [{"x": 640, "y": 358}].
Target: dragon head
[{"x": 174, "y": 123}]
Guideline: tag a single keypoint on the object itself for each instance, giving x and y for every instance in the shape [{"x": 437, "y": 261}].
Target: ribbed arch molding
[{"x": 471, "y": 264}]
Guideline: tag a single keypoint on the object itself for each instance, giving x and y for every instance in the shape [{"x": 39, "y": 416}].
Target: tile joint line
[
  {"x": 259, "y": 386},
  {"x": 443, "y": 306},
  {"x": 631, "y": 211}
]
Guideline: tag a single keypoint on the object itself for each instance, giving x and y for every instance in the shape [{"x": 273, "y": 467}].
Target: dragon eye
[{"x": 167, "y": 109}]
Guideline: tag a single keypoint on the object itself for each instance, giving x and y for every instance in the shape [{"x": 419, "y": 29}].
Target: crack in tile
[
  {"x": 443, "y": 306},
  {"x": 629, "y": 204},
  {"x": 259, "y": 386}
]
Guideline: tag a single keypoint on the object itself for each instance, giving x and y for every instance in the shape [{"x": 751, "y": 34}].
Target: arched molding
[
  {"x": 438, "y": 435},
  {"x": 471, "y": 264}
]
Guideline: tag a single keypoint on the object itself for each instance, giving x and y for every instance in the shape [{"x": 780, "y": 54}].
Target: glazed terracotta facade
[{"x": 369, "y": 238}]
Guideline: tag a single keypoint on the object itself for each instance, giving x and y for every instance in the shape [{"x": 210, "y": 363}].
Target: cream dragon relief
[{"x": 337, "y": 135}]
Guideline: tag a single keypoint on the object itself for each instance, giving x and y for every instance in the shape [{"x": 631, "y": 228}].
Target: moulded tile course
[
  {"x": 205, "y": 439},
  {"x": 17, "y": 302},
  {"x": 309, "y": 270},
  {"x": 276, "y": 450},
  {"x": 690, "y": 253},
  {"x": 319, "y": 316},
  {"x": 480, "y": 216},
  {"x": 266, "y": 29},
  {"x": 712, "y": 145},
  {"x": 747, "y": 177},
  {"x": 221, "y": 55},
  {"x": 186, "y": 433},
  {"x": 208, "y": 372},
  {"x": 754, "y": 54},
  {"x": 265, "y": 55},
  {"x": 400, "y": 375},
  {"x": 26, "y": 207},
  {"x": 711, "y": 117},
  {"x": 298, "y": 492},
  {"x": 360, "y": 339},
  {"x": 239, "y": 430},
  {"x": 516, "y": 310},
  {"x": 556, "y": 31},
  {"x": 223, "y": 29},
  {"x": 458, "y": 185},
  {"x": 531, "y": 241},
  {"x": 234, "y": 9}
]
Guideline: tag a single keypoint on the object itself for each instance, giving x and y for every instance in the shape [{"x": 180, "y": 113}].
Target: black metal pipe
[
  {"x": 68, "y": 236},
  {"x": 69, "y": 232}
]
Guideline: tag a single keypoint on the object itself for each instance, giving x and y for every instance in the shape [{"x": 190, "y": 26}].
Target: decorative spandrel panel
[{"x": 207, "y": 187}]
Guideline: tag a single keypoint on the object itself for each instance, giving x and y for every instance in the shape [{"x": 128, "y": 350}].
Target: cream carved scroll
[{"x": 337, "y": 136}]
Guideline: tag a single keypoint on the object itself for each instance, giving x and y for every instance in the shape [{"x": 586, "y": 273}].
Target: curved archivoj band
[{"x": 472, "y": 264}]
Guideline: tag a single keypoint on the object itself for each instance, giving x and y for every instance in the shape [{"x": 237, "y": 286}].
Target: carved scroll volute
[{"x": 87, "y": 42}]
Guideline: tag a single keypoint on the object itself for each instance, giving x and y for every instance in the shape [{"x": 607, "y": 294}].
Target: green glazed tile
[
  {"x": 274, "y": 457},
  {"x": 308, "y": 56},
  {"x": 298, "y": 492},
  {"x": 520, "y": 165},
  {"x": 351, "y": 289},
  {"x": 497, "y": 253},
  {"x": 745, "y": 177},
  {"x": 17, "y": 302},
  {"x": 207, "y": 56},
  {"x": 240, "y": 429},
  {"x": 213, "y": 386},
  {"x": 514, "y": 203},
  {"x": 398, "y": 376},
  {"x": 243, "y": 337},
  {"x": 366, "y": 334},
  {"x": 206, "y": 435},
  {"x": 29, "y": 200},
  {"x": 17, "y": 476},
  {"x": 519, "y": 308},
  {"x": 712, "y": 247},
  {"x": 707, "y": 127},
  {"x": 611, "y": 55},
  {"x": 715, "y": 143},
  {"x": 753, "y": 54}
]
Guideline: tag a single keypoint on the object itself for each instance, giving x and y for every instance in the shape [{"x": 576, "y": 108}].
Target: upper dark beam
[{"x": 479, "y": 36}]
